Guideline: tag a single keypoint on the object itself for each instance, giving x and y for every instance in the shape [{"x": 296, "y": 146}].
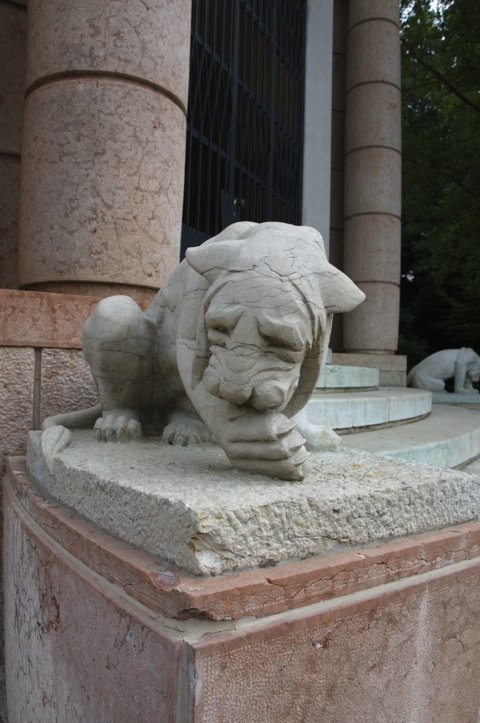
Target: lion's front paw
[
  {"x": 184, "y": 430},
  {"x": 117, "y": 425},
  {"x": 266, "y": 443}
]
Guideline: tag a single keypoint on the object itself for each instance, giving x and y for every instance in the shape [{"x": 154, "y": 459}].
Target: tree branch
[
  {"x": 445, "y": 174},
  {"x": 443, "y": 80}
]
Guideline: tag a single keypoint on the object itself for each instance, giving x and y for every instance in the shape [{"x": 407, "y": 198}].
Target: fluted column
[
  {"x": 104, "y": 144},
  {"x": 373, "y": 174}
]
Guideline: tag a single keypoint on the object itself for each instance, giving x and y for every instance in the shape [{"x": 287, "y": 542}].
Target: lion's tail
[{"x": 75, "y": 420}]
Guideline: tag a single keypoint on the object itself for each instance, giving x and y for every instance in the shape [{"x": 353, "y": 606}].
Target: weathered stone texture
[
  {"x": 372, "y": 147},
  {"x": 43, "y": 320},
  {"x": 13, "y": 23},
  {"x": 9, "y": 202},
  {"x": 74, "y": 643},
  {"x": 99, "y": 156},
  {"x": 16, "y": 400},
  {"x": 174, "y": 502},
  {"x": 97, "y": 629},
  {"x": 409, "y": 651},
  {"x": 67, "y": 384},
  {"x": 147, "y": 40},
  {"x": 374, "y": 43}
]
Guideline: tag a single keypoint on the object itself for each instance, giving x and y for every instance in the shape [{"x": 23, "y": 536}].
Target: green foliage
[{"x": 441, "y": 197}]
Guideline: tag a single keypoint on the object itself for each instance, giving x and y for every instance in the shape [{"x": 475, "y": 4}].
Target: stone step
[
  {"x": 469, "y": 399},
  {"x": 472, "y": 467},
  {"x": 338, "y": 377},
  {"x": 385, "y": 406},
  {"x": 448, "y": 437}
]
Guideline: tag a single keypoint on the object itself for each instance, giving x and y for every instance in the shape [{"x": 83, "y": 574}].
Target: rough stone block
[
  {"x": 16, "y": 400},
  {"x": 67, "y": 384},
  {"x": 191, "y": 508},
  {"x": 36, "y": 319}
]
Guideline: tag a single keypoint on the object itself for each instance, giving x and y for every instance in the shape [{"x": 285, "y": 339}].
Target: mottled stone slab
[
  {"x": 190, "y": 507},
  {"x": 17, "y": 369},
  {"x": 36, "y": 319}
]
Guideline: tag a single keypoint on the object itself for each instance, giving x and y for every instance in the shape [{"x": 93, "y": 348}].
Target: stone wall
[{"x": 42, "y": 370}]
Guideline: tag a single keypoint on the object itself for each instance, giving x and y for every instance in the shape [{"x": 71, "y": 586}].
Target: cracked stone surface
[
  {"x": 230, "y": 348},
  {"x": 145, "y": 39},
  {"x": 190, "y": 507},
  {"x": 102, "y": 179}
]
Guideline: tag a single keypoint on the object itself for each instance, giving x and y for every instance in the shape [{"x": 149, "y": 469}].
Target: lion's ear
[
  {"x": 215, "y": 255},
  {"x": 338, "y": 292},
  {"x": 209, "y": 260},
  {"x": 212, "y": 259}
]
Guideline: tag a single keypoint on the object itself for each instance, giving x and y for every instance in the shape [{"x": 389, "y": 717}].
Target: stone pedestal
[{"x": 98, "y": 630}]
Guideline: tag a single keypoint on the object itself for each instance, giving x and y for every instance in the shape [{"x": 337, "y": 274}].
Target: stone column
[
  {"x": 13, "y": 22},
  {"x": 339, "y": 54},
  {"x": 373, "y": 174},
  {"x": 104, "y": 145}
]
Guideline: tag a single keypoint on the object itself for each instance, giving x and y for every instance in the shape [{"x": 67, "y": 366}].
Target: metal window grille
[{"x": 245, "y": 114}]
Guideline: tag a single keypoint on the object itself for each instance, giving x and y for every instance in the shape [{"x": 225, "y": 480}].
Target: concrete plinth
[{"x": 97, "y": 630}]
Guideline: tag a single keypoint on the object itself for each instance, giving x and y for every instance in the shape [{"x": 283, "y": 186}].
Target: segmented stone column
[
  {"x": 104, "y": 144},
  {"x": 373, "y": 174}
]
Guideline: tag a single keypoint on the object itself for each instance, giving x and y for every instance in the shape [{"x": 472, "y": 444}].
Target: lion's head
[{"x": 264, "y": 326}]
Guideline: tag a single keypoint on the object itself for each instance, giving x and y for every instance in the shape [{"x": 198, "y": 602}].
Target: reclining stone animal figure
[
  {"x": 231, "y": 346},
  {"x": 461, "y": 365}
]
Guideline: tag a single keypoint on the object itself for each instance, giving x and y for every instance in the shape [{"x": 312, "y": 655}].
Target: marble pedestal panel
[{"x": 98, "y": 630}]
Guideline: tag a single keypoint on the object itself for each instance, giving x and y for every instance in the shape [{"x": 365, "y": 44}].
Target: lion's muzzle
[{"x": 262, "y": 389}]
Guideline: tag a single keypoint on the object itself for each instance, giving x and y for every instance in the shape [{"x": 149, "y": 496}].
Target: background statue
[
  {"x": 232, "y": 346},
  {"x": 461, "y": 365}
]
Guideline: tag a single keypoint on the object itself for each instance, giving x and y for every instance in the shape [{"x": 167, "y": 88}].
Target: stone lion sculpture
[
  {"x": 231, "y": 346},
  {"x": 461, "y": 365}
]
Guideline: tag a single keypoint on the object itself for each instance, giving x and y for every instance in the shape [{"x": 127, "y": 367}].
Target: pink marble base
[{"x": 96, "y": 630}]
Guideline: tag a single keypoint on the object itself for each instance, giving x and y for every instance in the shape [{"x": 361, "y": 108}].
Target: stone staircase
[{"x": 396, "y": 421}]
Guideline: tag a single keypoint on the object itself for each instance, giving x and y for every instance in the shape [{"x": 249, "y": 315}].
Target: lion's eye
[
  {"x": 218, "y": 334},
  {"x": 220, "y": 329},
  {"x": 283, "y": 349},
  {"x": 279, "y": 343}
]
